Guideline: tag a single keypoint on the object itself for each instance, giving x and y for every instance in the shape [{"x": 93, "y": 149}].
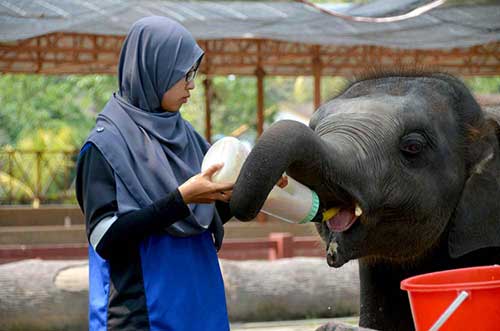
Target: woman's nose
[{"x": 190, "y": 85}]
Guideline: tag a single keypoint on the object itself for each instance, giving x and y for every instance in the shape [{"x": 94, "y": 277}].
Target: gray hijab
[{"x": 150, "y": 150}]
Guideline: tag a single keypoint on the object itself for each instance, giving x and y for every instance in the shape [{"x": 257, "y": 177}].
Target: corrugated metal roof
[{"x": 447, "y": 27}]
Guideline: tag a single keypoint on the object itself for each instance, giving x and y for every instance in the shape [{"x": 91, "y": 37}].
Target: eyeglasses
[{"x": 191, "y": 74}]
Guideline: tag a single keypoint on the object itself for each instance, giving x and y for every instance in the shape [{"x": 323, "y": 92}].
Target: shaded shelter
[{"x": 254, "y": 38}]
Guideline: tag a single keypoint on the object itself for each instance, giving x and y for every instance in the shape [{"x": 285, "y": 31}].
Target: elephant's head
[{"x": 415, "y": 153}]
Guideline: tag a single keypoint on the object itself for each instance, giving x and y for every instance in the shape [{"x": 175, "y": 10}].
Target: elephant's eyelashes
[{"x": 412, "y": 144}]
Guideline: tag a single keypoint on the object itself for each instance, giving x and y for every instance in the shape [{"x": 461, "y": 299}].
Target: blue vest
[{"x": 182, "y": 282}]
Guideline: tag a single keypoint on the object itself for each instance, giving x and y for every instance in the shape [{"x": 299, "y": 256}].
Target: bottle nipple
[{"x": 325, "y": 215}]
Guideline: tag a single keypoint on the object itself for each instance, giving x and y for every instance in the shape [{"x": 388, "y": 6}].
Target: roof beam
[{"x": 70, "y": 53}]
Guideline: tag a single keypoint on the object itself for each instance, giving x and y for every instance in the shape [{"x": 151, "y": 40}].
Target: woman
[{"x": 152, "y": 226}]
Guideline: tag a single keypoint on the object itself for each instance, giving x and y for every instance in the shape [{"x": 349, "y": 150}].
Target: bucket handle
[{"x": 450, "y": 310}]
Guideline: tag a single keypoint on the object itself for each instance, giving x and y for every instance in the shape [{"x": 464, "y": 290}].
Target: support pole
[
  {"x": 283, "y": 246},
  {"x": 316, "y": 62},
  {"x": 207, "y": 84},
  {"x": 260, "y": 100}
]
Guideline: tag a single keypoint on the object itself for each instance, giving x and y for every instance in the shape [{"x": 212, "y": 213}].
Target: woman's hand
[{"x": 201, "y": 189}]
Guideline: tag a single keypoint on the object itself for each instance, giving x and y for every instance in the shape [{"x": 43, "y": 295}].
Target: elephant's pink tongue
[{"x": 342, "y": 221}]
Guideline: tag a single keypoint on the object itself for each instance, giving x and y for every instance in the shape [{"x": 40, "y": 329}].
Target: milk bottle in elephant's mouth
[{"x": 295, "y": 203}]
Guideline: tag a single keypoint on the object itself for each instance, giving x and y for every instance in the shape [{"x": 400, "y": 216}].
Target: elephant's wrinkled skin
[{"x": 421, "y": 160}]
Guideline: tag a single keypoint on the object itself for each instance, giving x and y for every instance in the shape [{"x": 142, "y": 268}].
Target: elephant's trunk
[{"x": 286, "y": 146}]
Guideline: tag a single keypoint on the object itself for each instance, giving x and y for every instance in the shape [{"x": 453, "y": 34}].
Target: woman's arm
[
  {"x": 110, "y": 235},
  {"x": 116, "y": 234}
]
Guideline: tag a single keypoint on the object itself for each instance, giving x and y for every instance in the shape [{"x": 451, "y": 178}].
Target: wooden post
[
  {"x": 38, "y": 180},
  {"x": 207, "y": 84},
  {"x": 316, "y": 62},
  {"x": 260, "y": 100},
  {"x": 11, "y": 176},
  {"x": 39, "y": 62},
  {"x": 284, "y": 245}
]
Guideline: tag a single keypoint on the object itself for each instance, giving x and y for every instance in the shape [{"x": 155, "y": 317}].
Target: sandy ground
[{"x": 302, "y": 325}]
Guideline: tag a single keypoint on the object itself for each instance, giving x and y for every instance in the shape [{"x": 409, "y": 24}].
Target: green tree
[
  {"x": 40, "y": 113},
  {"x": 484, "y": 84},
  {"x": 234, "y": 103},
  {"x": 50, "y": 102},
  {"x": 41, "y": 165}
]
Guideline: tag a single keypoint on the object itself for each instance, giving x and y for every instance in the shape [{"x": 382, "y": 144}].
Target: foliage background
[{"x": 44, "y": 113}]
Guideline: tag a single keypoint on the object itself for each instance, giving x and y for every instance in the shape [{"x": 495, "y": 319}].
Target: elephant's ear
[{"x": 476, "y": 223}]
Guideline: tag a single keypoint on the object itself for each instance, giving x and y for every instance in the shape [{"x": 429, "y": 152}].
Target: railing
[
  {"x": 58, "y": 232},
  {"x": 37, "y": 176},
  {"x": 276, "y": 246}
]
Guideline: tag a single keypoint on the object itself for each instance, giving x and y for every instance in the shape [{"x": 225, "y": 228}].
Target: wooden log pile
[{"x": 52, "y": 295}]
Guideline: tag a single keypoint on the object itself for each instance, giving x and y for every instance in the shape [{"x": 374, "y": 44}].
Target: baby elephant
[{"x": 412, "y": 163}]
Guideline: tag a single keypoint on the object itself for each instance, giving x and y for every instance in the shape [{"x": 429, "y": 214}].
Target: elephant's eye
[{"x": 412, "y": 144}]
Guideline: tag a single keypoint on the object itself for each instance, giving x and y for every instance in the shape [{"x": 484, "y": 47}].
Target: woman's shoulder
[
  {"x": 103, "y": 133},
  {"x": 90, "y": 154},
  {"x": 101, "y": 141}
]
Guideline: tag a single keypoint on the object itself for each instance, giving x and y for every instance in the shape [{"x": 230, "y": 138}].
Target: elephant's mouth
[
  {"x": 343, "y": 210},
  {"x": 345, "y": 214},
  {"x": 343, "y": 217}
]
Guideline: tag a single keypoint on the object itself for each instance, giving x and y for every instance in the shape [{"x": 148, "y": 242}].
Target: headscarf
[{"x": 150, "y": 150}]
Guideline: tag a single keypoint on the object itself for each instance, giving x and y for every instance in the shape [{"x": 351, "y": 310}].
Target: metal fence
[{"x": 37, "y": 176}]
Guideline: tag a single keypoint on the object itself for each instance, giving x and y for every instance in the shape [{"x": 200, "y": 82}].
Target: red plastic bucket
[{"x": 459, "y": 299}]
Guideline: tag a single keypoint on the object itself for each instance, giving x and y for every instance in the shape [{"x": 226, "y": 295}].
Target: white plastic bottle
[
  {"x": 295, "y": 203},
  {"x": 232, "y": 153}
]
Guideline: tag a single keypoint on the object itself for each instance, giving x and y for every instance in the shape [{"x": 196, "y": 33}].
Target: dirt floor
[{"x": 302, "y": 325}]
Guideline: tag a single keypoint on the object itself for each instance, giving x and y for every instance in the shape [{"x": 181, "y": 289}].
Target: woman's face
[{"x": 177, "y": 95}]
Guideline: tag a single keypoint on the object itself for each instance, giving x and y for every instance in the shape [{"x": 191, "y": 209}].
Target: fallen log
[
  {"x": 52, "y": 295},
  {"x": 292, "y": 288},
  {"x": 336, "y": 326},
  {"x": 30, "y": 299}
]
